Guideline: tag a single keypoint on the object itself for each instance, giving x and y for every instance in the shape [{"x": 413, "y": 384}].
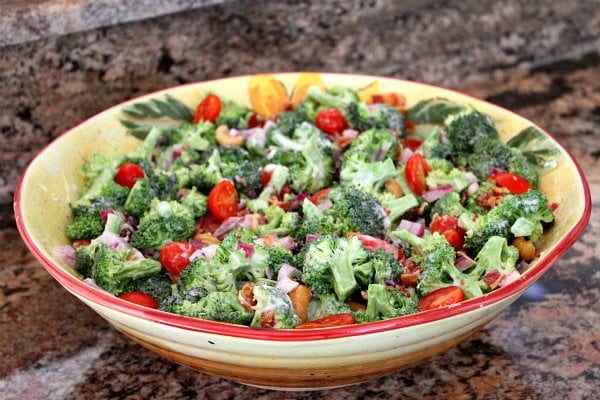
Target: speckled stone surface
[{"x": 545, "y": 66}]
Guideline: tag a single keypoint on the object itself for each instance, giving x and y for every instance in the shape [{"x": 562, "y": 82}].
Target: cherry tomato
[
  {"x": 329, "y": 321},
  {"x": 416, "y": 171},
  {"x": 128, "y": 173},
  {"x": 140, "y": 298},
  {"x": 373, "y": 243},
  {"x": 265, "y": 177},
  {"x": 412, "y": 144},
  {"x": 443, "y": 223},
  {"x": 331, "y": 121},
  {"x": 208, "y": 109},
  {"x": 320, "y": 195},
  {"x": 175, "y": 256},
  {"x": 255, "y": 121},
  {"x": 441, "y": 298},
  {"x": 223, "y": 200},
  {"x": 455, "y": 239},
  {"x": 514, "y": 183}
]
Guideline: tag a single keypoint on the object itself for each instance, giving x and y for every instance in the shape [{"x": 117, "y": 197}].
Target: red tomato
[
  {"x": 320, "y": 195},
  {"x": 223, "y": 200},
  {"x": 412, "y": 144},
  {"x": 208, "y": 109},
  {"x": 416, "y": 171},
  {"x": 175, "y": 256},
  {"x": 128, "y": 173},
  {"x": 331, "y": 121},
  {"x": 443, "y": 223},
  {"x": 372, "y": 243},
  {"x": 140, "y": 298},
  {"x": 514, "y": 183},
  {"x": 255, "y": 121},
  {"x": 441, "y": 298},
  {"x": 265, "y": 177},
  {"x": 329, "y": 321},
  {"x": 454, "y": 238}
]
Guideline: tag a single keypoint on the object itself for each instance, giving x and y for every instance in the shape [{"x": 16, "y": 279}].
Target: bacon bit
[
  {"x": 410, "y": 280},
  {"x": 553, "y": 206},
  {"x": 267, "y": 319},
  {"x": 274, "y": 200},
  {"x": 270, "y": 239},
  {"x": 511, "y": 277},
  {"x": 493, "y": 278},
  {"x": 80, "y": 242},
  {"x": 246, "y": 296},
  {"x": 356, "y": 306},
  {"x": 393, "y": 99},
  {"x": 392, "y": 186},
  {"x": 409, "y": 124}
]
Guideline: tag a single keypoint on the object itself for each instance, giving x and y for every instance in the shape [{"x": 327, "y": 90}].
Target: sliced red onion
[
  {"x": 67, "y": 253},
  {"x": 324, "y": 205},
  {"x": 257, "y": 134},
  {"x": 496, "y": 171},
  {"x": 471, "y": 177},
  {"x": 114, "y": 241},
  {"x": 406, "y": 153},
  {"x": 286, "y": 242},
  {"x": 511, "y": 277},
  {"x": 248, "y": 248},
  {"x": 444, "y": 138},
  {"x": 286, "y": 285},
  {"x": 287, "y": 278},
  {"x": 463, "y": 262},
  {"x": 415, "y": 228},
  {"x": 349, "y": 133},
  {"x": 310, "y": 237},
  {"x": 472, "y": 188},
  {"x": 198, "y": 244},
  {"x": 434, "y": 194},
  {"x": 207, "y": 252}
]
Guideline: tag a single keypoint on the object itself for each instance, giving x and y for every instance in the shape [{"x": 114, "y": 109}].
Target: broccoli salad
[{"x": 332, "y": 211}]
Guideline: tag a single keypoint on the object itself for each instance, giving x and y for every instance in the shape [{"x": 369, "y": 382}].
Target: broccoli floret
[
  {"x": 466, "y": 128},
  {"x": 326, "y": 304},
  {"x": 288, "y": 121},
  {"x": 374, "y": 145},
  {"x": 396, "y": 207},
  {"x": 87, "y": 225},
  {"x": 387, "y": 269},
  {"x": 145, "y": 151},
  {"x": 361, "y": 210},
  {"x": 313, "y": 168},
  {"x": 279, "y": 255},
  {"x": 436, "y": 257},
  {"x": 331, "y": 263},
  {"x": 166, "y": 221},
  {"x": 157, "y": 285},
  {"x": 362, "y": 117},
  {"x": 273, "y": 308},
  {"x": 114, "y": 269},
  {"x": 495, "y": 255},
  {"x": 194, "y": 200},
  {"x": 443, "y": 173},
  {"x": 384, "y": 303},
  {"x": 279, "y": 222},
  {"x": 448, "y": 204},
  {"x": 200, "y": 276},
  {"x": 519, "y": 164},
  {"x": 207, "y": 174},
  {"x": 198, "y": 136},
  {"x": 100, "y": 190},
  {"x": 434, "y": 147},
  {"x": 339, "y": 97},
  {"x": 215, "y": 306},
  {"x": 532, "y": 206},
  {"x": 233, "y": 114},
  {"x": 244, "y": 171},
  {"x": 488, "y": 153},
  {"x": 279, "y": 176},
  {"x": 139, "y": 198},
  {"x": 369, "y": 177}
]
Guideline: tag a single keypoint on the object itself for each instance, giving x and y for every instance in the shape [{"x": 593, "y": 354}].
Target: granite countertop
[{"x": 544, "y": 346}]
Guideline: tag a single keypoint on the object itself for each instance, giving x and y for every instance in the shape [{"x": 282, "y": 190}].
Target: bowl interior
[{"x": 52, "y": 179}]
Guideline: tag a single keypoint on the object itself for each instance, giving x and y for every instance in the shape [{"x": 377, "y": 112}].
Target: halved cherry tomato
[
  {"x": 391, "y": 99},
  {"x": 331, "y": 121},
  {"x": 208, "y": 109},
  {"x": 441, "y": 298},
  {"x": 128, "y": 173},
  {"x": 175, "y": 256},
  {"x": 265, "y": 177},
  {"x": 447, "y": 225},
  {"x": 320, "y": 195},
  {"x": 255, "y": 121},
  {"x": 373, "y": 243},
  {"x": 412, "y": 144},
  {"x": 329, "y": 321},
  {"x": 514, "y": 183},
  {"x": 207, "y": 224},
  {"x": 223, "y": 200},
  {"x": 140, "y": 298},
  {"x": 416, "y": 171}
]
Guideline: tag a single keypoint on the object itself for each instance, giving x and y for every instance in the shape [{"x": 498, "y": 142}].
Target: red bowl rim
[{"x": 105, "y": 299}]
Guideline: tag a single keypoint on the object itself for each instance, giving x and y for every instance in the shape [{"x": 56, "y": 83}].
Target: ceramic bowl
[{"x": 282, "y": 359}]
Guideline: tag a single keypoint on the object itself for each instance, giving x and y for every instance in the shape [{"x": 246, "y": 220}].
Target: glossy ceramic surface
[{"x": 307, "y": 359}]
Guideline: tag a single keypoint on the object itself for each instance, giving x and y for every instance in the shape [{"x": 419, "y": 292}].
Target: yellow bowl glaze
[{"x": 292, "y": 360}]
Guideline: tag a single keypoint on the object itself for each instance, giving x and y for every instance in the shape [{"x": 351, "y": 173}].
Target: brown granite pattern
[{"x": 544, "y": 346}]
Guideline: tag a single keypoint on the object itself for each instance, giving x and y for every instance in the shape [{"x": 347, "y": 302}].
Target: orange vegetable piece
[
  {"x": 305, "y": 81},
  {"x": 268, "y": 96}
]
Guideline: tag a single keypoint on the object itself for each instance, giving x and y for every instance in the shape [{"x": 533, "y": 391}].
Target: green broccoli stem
[
  {"x": 410, "y": 238},
  {"x": 400, "y": 206},
  {"x": 113, "y": 223},
  {"x": 326, "y": 99},
  {"x": 135, "y": 269}
]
